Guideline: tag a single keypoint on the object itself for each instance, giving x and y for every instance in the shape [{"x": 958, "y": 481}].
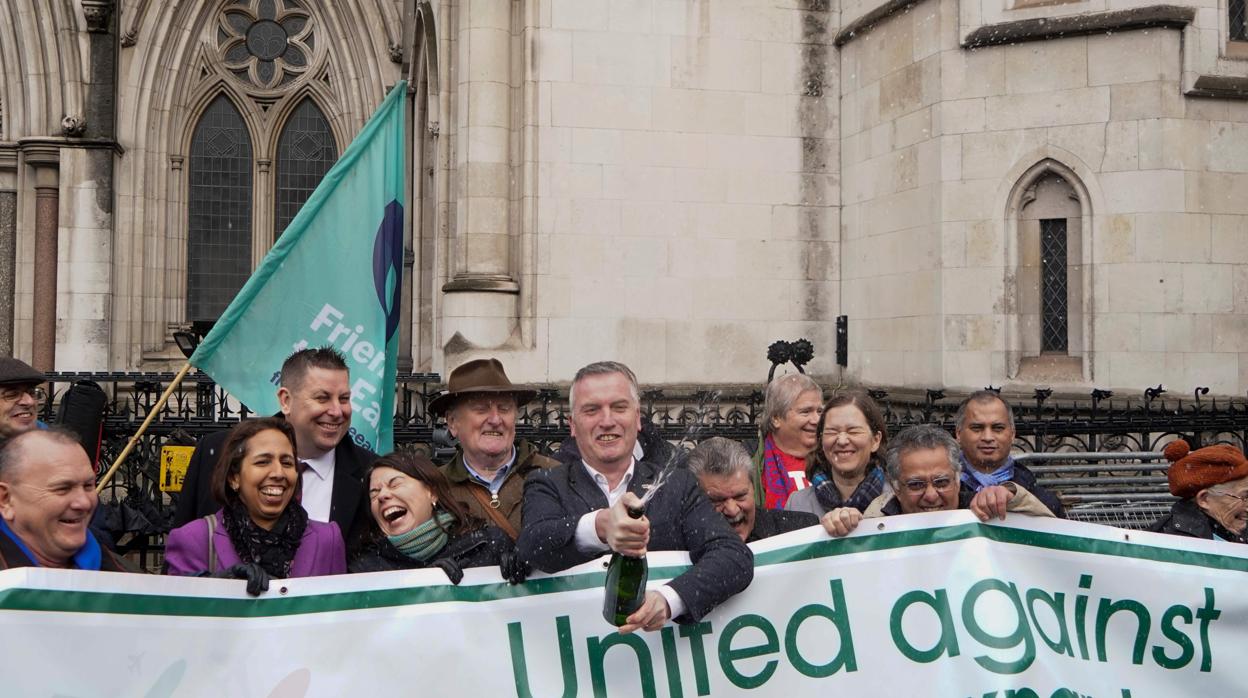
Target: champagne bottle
[{"x": 626, "y": 583}]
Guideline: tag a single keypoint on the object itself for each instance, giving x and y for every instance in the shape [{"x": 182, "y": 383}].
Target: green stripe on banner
[
  {"x": 157, "y": 605},
  {"x": 1017, "y": 536}
]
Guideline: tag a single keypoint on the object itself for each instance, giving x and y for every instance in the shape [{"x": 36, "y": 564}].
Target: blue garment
[
  {"x": 978, "y": 481},
  {"x": 88, "y": 556}
]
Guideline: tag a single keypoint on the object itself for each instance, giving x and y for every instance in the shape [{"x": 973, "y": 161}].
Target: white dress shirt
[
  {"x": 318, "y": 486},
  {"x": 587, "y": 540}
]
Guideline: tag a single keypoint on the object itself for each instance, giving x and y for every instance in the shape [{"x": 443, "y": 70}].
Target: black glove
[
  {"x": 257, "y": 578},
  {"x": 453, "y": 571},
  {"x": 513, "y": 568}
]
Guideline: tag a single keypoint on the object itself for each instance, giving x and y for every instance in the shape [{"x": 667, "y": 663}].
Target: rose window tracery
[{"x": 266, "y": 43}]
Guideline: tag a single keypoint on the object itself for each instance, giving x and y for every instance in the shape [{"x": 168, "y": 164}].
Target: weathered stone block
[{"x": 1046, "y": 66}]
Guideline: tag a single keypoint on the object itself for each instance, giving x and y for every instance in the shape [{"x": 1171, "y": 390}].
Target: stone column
[
  {"x": 45, "y": 160},
  {"x": 8, "y": 248},
  {"x": 480, "y": 297}
]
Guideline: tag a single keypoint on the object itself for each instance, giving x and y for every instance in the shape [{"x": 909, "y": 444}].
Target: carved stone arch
[
  {"x": 324, "y": 100},
  {"x": 423, "y": 65},
  {"x": 184, "y": 131},
  {"x": 1047, "y": 176},
  {"x": 44, "y": 71},
  {"x": 429, "y": 190},
  {"x": 360, "y": 63},
  {"x": 162, "y": 92}
]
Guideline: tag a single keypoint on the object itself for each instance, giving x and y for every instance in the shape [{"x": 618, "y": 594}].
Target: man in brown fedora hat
[
  {"x": 490, "y": 465},
  {"x": 20, "y": 395}
]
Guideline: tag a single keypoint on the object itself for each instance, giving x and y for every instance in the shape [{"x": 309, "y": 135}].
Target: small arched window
[
  {"x": 305, "y": 152},
  {"x": 219, "y": 203}
]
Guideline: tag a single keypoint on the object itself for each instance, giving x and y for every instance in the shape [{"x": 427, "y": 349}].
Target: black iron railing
[{"x": 1045, "y": 424}]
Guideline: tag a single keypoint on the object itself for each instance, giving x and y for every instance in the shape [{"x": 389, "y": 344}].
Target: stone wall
[
  {"x": 678, "y": 183},
  {"x": 686, "y": 188},
  {"x": 941, "y": 144}
]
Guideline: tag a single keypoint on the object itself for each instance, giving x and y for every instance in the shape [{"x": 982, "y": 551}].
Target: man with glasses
[
  {"x": 21, "y": 395},
  {"x": 923, "y": 467}
]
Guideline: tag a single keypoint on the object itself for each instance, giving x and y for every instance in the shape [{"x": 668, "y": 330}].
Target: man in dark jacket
[
  {"x": 490, "y": 466},
  {"x": 985, "y": 431},
  {"x": 724, "y": 470},
  {"x": 47, "y": 498},
  {"x": 575, "y": 512},
  {"x": 315, "y": 396}
]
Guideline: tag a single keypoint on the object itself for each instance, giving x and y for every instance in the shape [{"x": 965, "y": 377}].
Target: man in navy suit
[
  {"x": 315, "y": 397},
  {"x": 576, "y": 512}
]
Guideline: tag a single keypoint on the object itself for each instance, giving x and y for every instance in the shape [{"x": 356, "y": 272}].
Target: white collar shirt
[{"x": 318, "y": 486}]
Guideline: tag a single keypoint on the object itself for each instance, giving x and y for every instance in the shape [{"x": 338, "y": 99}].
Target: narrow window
[
  {"x": 305, "y": 152},
  {"x": 1239, "y": 19},
  {"x": 218, "y": 256},
  {"x": 1053, "y": 287}
]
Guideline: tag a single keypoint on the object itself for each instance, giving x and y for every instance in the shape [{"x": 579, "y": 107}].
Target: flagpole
[{"x": 151, "y": 414}]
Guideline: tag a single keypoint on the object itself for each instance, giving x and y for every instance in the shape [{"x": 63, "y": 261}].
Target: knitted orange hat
[{"x": 1191, "y": 472}]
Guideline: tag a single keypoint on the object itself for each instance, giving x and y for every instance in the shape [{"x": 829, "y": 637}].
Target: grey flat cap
[{"x": 17, "y": 372}]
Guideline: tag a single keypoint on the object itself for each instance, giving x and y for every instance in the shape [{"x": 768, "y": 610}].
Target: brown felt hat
[
  {"x": 477, "y": 377},
  {"x": 17, "y": 372},
  {"x": 1192, "y": 471}
]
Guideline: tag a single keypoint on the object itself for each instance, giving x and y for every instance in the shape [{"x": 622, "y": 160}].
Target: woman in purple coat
[{"x": 260, "y": 531}]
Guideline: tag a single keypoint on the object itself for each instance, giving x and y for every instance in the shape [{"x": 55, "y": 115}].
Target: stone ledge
[
  {"x": 1041, "y": 28},
  {"x": 870, "y": 19},
  {"x": 481, "y": 284},
  {"x": 1220, "y": 86},
  {"x": 45, "y": 143}
]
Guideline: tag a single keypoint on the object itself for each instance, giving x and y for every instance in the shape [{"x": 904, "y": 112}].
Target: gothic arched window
[
  {"x": 305, "y": 152},
  {"x": 219, "y": 203}
]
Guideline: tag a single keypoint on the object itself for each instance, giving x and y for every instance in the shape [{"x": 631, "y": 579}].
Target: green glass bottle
[{"x": 626, "y": 583}]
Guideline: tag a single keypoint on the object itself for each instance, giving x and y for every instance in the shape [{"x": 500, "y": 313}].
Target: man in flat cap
[
  {"x": 20, "y": 395},
  {"x": 490, "y": 465}
]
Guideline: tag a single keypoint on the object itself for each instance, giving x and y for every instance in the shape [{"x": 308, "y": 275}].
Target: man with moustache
[
  {"x": 315, "y": 397},
  {"x": 576, "y": 512},
  {"x": 985, "y": 431},
  {"x": 47, "y": 498}
]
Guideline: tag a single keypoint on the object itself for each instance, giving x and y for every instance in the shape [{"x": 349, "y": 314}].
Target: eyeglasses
[
  {"x": 917, "y": 486},
  {"x": 1241, "y": 497},
  {"x": 15, "y": 394}
]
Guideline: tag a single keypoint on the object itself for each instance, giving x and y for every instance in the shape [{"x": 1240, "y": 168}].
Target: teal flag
[{"x": 333, "y": 278}]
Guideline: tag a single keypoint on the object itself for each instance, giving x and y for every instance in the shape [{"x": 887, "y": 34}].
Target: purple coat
[{"x": 321, "y": 551}]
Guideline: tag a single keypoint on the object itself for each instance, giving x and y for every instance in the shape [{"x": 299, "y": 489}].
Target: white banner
[{"x": 924, "y": 605}]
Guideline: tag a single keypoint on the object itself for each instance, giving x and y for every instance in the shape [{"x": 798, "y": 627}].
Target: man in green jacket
[{"x": 490, "y": 465}]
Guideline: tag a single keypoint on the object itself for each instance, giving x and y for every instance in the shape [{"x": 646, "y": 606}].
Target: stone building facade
[{"x": 1014, "y": 192}]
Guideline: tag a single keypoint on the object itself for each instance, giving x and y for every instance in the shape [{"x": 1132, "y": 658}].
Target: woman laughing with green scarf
[{"x": 418, "y": 524}]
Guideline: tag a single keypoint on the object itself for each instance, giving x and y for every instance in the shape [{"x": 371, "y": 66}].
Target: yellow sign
[{"x": 173, "y": 462}]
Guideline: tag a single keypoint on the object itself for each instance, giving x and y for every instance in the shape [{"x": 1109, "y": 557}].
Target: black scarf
[
  {"x": 1222, "y": 532},
  {"x": 274, "y": 549},
  {"x": 872, "y": 486}
]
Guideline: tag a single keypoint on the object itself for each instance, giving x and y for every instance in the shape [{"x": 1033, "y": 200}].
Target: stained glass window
[
  {"x": 305, "y": 152},
  {"x": 219, "y": 231}
]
